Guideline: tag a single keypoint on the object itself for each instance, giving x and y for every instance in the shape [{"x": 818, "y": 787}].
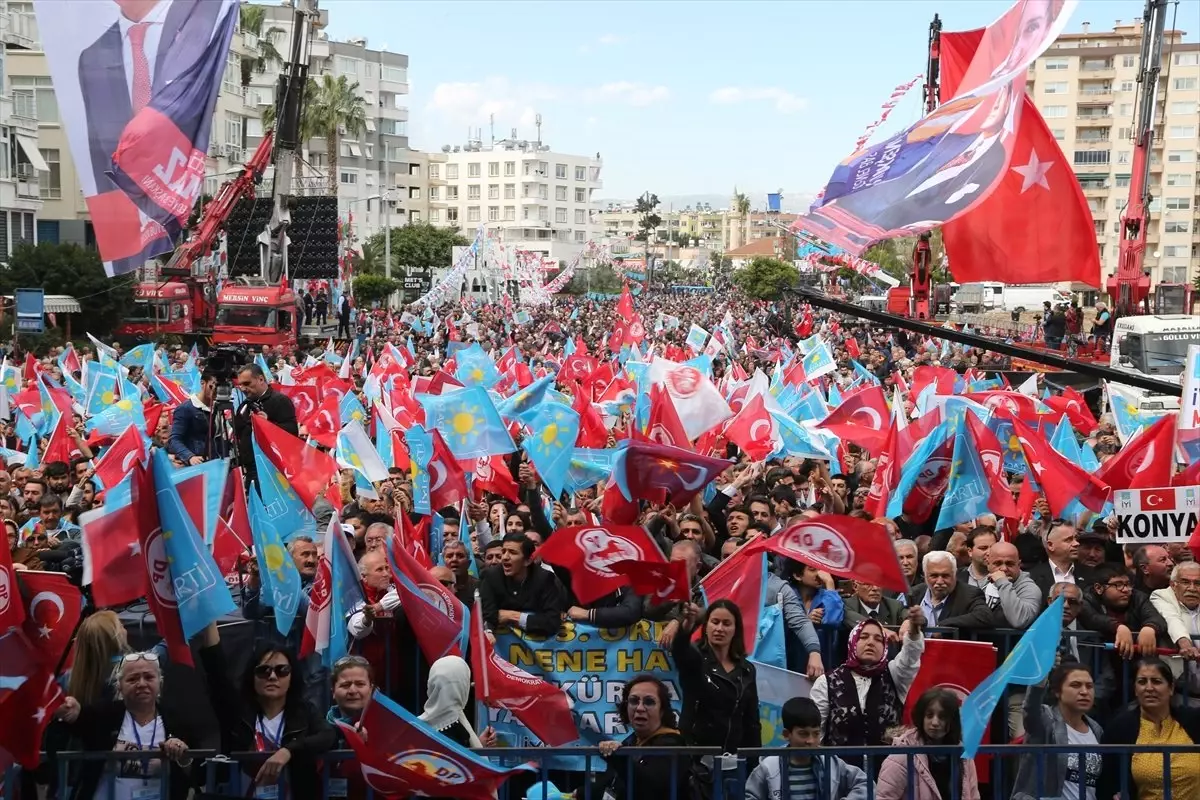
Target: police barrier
[{"x": 216, "y": 776}]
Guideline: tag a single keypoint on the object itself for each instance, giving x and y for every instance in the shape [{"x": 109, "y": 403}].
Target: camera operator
[
  {"x": 260, "y": 399},
  {"x": 195, "y": 430}
]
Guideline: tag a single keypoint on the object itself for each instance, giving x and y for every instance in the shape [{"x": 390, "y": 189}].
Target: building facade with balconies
[
  {"x": 538, "y": 199},
  {"x": 1086, "y": 88},
  {"x": 23, "y": 170}
]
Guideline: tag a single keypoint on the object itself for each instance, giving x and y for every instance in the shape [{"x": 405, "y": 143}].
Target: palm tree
[
  {"x": 308, "y": 127},
  {"x": 741, "y": 207},
  {"x": 251, "y": 20},
  {"x": 338, "y": 110}
]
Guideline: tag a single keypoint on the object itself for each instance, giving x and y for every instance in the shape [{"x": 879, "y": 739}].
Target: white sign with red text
[{"x": 1154, "y": 516}]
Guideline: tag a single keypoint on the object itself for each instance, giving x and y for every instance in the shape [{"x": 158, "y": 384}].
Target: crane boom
[{"x": 1130, "y": 286}]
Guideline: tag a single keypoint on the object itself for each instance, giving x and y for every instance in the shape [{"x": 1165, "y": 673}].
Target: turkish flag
[
  {"x": 1157, "y": 499},
  {"x": 852, "y": 347},
  {"x": 441, "y": 379},
  {"x": 1146, "y": 460},
  {"x": 589, "y": 551},
  {"x": 310, "y": 472},
  {"x": 438, "y": 618},
  {"x": 841, "y": 545},
  {"x": 887, "y": 473},
  {"x": 60, "y": 446},
  {"x": 1060, "y": 480},
  {"x": 12, "y": 610},
  {"x": 324, "y": 422},
  {"x": 25, "y": 714},
  {"x": 304, "y": 398},
  {"x": 592, "y": 432},
  {"x": 414, "y": 539},
  {"x": 540, "y": 705},
  {"x": 1073, "y": 404},
  {"x": 314, "y": 374},
  {"x": 615, "y": 508},
  {"x": 492, "y": 475},
  {"x": 1038, "y": 196},
  {"x": 116, "y": 462},
  {"x": 740, "y": 578},
  {"x": 751, "y": 429},
  {"x": 32, "y": 367},
  {"x": 625, "y": 304},
  {"x": 233, "y": 536},
  {"x": 53, "y": 607},
  {"x": 1000, "y": 501},
  {"x": 448, "y": 483},
  {"x": 666, "y": 582},
  {"x": 861, "y": 418},
  {"x": 664, "y": 426},
  {"x": 943, "y": 379},
  {"x": 112, "y": 554}
]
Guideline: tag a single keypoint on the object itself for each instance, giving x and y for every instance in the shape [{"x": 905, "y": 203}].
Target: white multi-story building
[
  {"x": 540, "y": 200},
  {"x": 23, "y": 169},
  {"x": 1086, "y": 87}
]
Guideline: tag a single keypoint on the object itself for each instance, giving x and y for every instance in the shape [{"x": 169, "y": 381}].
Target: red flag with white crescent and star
[
  {"x": 53, "y": 607},
  {"x": 29, "y": 696},
  {"x": 1038, "y": 195},
  {"x": 1146, "y": 460}
]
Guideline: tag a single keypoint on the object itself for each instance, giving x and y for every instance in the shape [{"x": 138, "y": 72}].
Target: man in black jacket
[
  {"x": 519, "y": 593},
  {"x": 264, "y": 402},
  {"x": 195, "y": 436},
  {"x": 948, "y": 603}
]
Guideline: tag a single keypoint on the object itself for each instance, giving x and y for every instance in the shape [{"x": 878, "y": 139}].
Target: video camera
[{"x": 224, "y": 363}]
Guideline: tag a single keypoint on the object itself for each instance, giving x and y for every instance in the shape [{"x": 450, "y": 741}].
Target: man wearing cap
[{"x": 1091, "y": 549}]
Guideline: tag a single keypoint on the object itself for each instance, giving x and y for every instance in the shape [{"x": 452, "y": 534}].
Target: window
[
  {"x": 1128, "y": 61},
  {"x": 1187, "y": 59},
  {"x": 50, "y": 185},
  {"x": 580, "y": 237},
  {"x": 1181, "y": 132},
  {"x": 542, "y": 190},
  {"x": 1181, "y": 156},
  {"x": 510, "y": 213},
  {"x": 560, "y": 215},
  {"x": 452, "y": 172},
  {"x": 1185, "y": 107},
  {"x": 560, "y": 171},
  {"x": 435, "y": 170},
  {"x": 344, "y": 65},
  {"x": 394, "y": 74},
  {"x": 1125, "y": 86},
  {"x": 1178, "y": 203},
  {"x": 510, "y": 191},
  {"x": 472, "y": 213},
  {"x": 473, "y": 191},
  {"x": 34, "y": 98},
  {"x": 1091, "y": 157},
  {"x": 1179, "y": 179},
  {"x": 493, "y": 169},
  {"x": 1057, "y": 87},
  {"x": 543, "y": 214},
  {"x": 1184, "y": 84},
  {"x": 231, "y": 78},
  {"x": 451, "y": 215},
  {"x": 1174, "y": 274},
  {"x": 1176, "y": 226},
  {"x": 526, "y": 212},
  {"x": 1125, "y": 110},
  {"x": 1122, "y": 156},
  {"x": 368, "y": 149},
  {"x": 435, "y": 193},
  {"x": 580, "y": 216},
  {"x": 473, "y": 170},
  {"x": 1122, "y": 182},
  {"x": 1175, "y": 251},
  {"x": 581, "y": 195},
  {"x": 1057, "y": 63},
  {"x": 435, "y": 215},
  {"x": 414, "y": 217},
  {"x": 493, "y": 213},
  {"x": 349, "y": 177},
  {"x": 1054, "y": 112},
  {"x": 493, "y": 191},
  {"x": 560, "y": 194},
  {"x": 580, "y": 174},
  {"x": 527, "y": 168},
  {"x": 414, "y": 193},
  {"x": 510, "y": 169},
  {"x": 451, "y": 192}
]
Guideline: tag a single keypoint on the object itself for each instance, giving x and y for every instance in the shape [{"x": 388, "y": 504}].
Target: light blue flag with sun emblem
[
  {"x": 475, "y": 368},
  {"x": 420, "y": 450},
  {"x": 525, "y": 399},
  {"x": 967, "y": 491},
  {"x": 818, "y": 361},
  {"x": 277, "y": 571},
  {"x": 589, "y": 467},
  {"x": 11, "y": 377},
  {"x": 469, "y": 422},
  {"x": 351, "y": 410},
  {"x": 101, "y": 385},
  {"x": 140, "y": 356},
  {"x": 280, "y": 502},
  {"x": 113, "y": 420},
  {"x": 551, "y": 444},
  {"x": 78, "y": 393}
]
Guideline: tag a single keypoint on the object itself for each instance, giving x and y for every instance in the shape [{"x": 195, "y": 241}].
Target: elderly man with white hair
[
  {"x": 946, "y": 601},
  {"x": 1179, "y": 605}
]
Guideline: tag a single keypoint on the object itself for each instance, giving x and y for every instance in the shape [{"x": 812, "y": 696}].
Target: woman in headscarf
[
  {"x": 449, "y": 687},
  {"x": 864, "y": 697}
]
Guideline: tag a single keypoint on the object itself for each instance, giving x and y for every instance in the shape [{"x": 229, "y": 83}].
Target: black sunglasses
[{"x": 266, "y": 671}]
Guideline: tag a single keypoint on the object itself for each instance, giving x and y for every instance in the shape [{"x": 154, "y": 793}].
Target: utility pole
[{"x": 386, "y": 202}]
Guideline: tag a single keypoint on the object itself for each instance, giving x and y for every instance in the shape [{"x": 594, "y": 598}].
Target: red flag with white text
[{"x": 589, "y": 551}]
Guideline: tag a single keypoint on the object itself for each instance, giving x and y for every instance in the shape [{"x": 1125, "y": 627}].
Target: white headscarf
[{"x": 449, "y": 686}]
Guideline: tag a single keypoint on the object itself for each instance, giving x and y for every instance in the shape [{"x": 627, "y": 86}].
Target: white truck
[
  {"x": 997, "y": 296},
  {"x": 1154, "y": 346}
]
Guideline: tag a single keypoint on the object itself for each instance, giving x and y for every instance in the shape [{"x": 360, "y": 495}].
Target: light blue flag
[
  {"x": 864, "y": 373},
  {"x": 818, "y": 361},
  {"x": 101, "y": 385},
  {"x": 475, "y": 367},
  {"x": 703, "y": 363},
  {"x": 569, "y": 346},
  {"x": 794, "y": 439},
  {"x": 550, "y": 447},
  {"x": 281, "y": 505},
  {"x": 129, "y": 389},
  {"x": 26, "y": 429},
  {"x": 469, "y": 422},
  {"x": 200, "y": 589},
  {"x": 835, "y": 397},
  {"x": 420, "y": 450},
  {"x": 383, "y": 444},
  {"x": 140, "y": 356},
  {"x": 913, "y": 467},
  {"x": 525, "y": 399},
  {"x": 277, "y": 571},
  {"x": 967, "y": 491},
  {"x": 1028, "y": 664},
  {"x": 113, "y": 420},
  {"x": 1087, "y": 458},
  {"x": 262, "y": 364},
  {"x": 346, "y": 594},
  {"x": 437, "y": 535},
  {"x": 78, "y": 393},
  {"x": 351, "y": 410},
  {"x": 590, "y": 467},
  {"x": 809, "y": 406}
]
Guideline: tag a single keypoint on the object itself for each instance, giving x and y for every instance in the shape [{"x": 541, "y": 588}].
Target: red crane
[{"x": 1130, "y": 286}]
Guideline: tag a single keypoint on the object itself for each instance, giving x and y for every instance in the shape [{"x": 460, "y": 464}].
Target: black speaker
[
  {"x": 248, "y": 219},
  {"x": 313, "y": 236}
]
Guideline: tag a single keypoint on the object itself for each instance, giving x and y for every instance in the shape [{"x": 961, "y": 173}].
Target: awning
[
  {"x": 370, "y": 124},
  {"x": 29, "y": 145},
  {"x": 354, "y": 150},
  {"x": 61, "y": 304}
]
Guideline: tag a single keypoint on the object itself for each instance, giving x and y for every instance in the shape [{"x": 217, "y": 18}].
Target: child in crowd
[{"x": 809, "y": 777}]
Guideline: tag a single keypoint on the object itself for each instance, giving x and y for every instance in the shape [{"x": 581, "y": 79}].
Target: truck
[
  {"x": 980, "y": 296},
  {"x": 170, "y": 308},
  {"x": 1154, "y": 346},
  {"x": 251, "y": 312},
  {"x": 1032, "y": 296}
]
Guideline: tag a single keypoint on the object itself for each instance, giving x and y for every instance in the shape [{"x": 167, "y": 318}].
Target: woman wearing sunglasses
[
  {"x": 133, "y": 722},
  {"x": 645, "y": 708},
  {"x": 268, "y": 714}
]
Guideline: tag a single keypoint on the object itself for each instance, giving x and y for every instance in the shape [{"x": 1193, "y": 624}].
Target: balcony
[
  {"x": 1095, "y": 191},
  {"x": 24, "y": 125},
  {"x": 27, "y": 181},
  {"x": 1097, "y": 71},
  {"x": 1096, "y": 96},
  {"x": 20, "y": 30},
  {"x": 318, "y": 49},
  {"x": 1093, "y": 120}
]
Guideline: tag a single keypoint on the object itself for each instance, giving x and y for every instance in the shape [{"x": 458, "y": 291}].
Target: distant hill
[{"x": 793, "y": 203}]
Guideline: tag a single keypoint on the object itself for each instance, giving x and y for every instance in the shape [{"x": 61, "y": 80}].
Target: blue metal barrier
[{"x": 221, "y": 775}]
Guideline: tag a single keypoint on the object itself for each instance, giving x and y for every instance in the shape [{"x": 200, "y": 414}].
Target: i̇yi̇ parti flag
[{"x": 277, "y": 571}]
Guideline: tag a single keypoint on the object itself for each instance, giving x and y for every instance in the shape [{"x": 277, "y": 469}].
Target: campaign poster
[
  {"x": 137, "y": 82},
  {"x": 949, "y": 161},
  {"x": 591, "y": 665}
]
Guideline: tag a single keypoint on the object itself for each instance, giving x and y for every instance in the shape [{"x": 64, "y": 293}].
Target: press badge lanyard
[
  {"x": 137, "y": 738},
  {"x": 267, "y": 738}
]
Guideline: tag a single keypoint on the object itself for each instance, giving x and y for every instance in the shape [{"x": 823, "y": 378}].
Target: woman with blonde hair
[{"x": 99, "y": 645}]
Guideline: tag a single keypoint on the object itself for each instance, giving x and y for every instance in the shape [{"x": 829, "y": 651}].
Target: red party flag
[
  {"x": 843, "y": 546},
  {"x": 666, "y": 582},
  {"x": 589, "y": 551}
]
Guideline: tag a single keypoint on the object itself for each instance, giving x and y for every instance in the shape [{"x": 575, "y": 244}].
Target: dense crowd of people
[{"x": 1126, "y": 671}]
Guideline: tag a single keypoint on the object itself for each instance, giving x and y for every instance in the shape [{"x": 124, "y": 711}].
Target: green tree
[
  {"x": 765, "y": 278},
  {"x": 73, "y": 270},
  {"x": 251, "y": 20},
  {"x": 648, "y": 218},
  {"x": 371, "y": 289},
  {"x": 419, "y": 247},
  {"x": 602, "y": 279},
  {"x": 338, "y": 110},
  {"x": 370, "y": 260}
]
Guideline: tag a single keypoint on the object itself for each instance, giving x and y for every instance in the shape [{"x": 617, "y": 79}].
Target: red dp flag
[
  {"x": 666, "y": 582},
  {"x": 958, "y": 666},
  {"x": 589, "y": 551},
  {"x": 841, "y": 545}
]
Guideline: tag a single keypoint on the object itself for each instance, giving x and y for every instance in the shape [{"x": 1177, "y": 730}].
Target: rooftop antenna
[
  {"x": 537, "y": 120},
  {"x": 492, "y": 125}
]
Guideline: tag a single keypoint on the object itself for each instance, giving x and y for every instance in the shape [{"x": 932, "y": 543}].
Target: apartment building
[
  {"x": 23, "y": 170},
  {"x": 63, "y": 215},
  {"x": 721, "y": 230},
  {"x": 374, "y": 165},
  {"x": 540, "y": 200},
  {"x": 1086, "y": 88}
]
